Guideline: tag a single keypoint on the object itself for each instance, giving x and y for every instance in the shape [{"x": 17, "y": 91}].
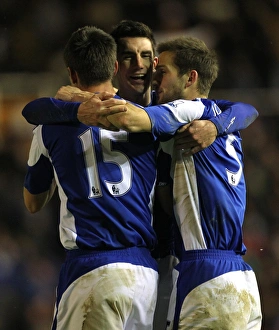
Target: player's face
[
  {"x": 136, "y": 63},
  {"x": 168, "y": 85}
]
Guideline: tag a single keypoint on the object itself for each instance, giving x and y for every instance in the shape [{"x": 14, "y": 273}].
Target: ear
[
  {"x": 192, "y": 78},
  {"x": 155, "y": 62},
  {"x": 73, "y": 76},
  {"x": 115, "y": 68}
]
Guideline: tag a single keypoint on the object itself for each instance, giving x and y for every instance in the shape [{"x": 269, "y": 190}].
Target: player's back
[{"x": 106, "y": 184}]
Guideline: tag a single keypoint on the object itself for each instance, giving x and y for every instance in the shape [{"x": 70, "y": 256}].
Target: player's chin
[{"x": 139, "y": 89}]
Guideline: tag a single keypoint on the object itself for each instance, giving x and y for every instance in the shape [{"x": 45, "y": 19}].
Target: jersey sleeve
[
  {"x": 38, "y": 163},
  {"x": 50, "y": 111},
  {"x": 167, "y": 118},
  {"x": 34, "y": 182},
  {"x": 235, "y": 116}
]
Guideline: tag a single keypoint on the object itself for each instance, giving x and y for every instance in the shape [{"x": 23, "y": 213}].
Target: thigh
[
  {"x": 108, "y": 297},
  {"x": 230, "y": 302},
  {"x": 144, "y": 300}
]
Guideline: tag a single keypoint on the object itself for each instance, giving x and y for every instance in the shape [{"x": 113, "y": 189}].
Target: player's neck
[
  {"x": 103, "y": 87},
  {"x": 192, "y": 95}
]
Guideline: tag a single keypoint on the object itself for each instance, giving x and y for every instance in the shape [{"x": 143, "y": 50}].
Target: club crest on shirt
[{"x": 176, "y": 103}]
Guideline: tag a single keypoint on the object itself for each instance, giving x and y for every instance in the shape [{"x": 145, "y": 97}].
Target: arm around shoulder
[
  {"x": 235, "y": 116},
  {"x": 134, "y": 120},
  {"x": 48, "y": 110}
]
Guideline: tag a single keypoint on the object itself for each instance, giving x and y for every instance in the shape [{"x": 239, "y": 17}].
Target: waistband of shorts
[
  {"x": 210, "y": 253},
  {"x": 71, "y": 254}
]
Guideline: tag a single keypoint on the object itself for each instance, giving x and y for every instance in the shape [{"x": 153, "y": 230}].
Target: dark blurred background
[{"x": 245, "y": 34}]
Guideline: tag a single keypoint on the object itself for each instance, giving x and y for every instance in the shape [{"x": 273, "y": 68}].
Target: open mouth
[{"x": 138, "y": 77}]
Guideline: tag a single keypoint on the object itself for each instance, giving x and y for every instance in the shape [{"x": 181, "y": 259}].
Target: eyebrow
[{"x": 128, "y": 52}]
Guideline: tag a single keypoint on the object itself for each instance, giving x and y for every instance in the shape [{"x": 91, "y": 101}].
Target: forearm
[
  {"x": 49, "y": 111},
  {"x": 92, "y": 111},
  {"x": 135, "y": 119}
]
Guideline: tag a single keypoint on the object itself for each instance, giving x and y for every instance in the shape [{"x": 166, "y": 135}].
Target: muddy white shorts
[
  {"x": 97, "y": 292},
  {"x": 214, "y": 289}
]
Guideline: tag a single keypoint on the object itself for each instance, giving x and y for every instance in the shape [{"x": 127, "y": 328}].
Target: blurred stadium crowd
[{"x": 32, "y": 35}]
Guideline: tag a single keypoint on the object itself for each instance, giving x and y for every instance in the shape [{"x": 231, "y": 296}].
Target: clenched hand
[{"x": 195, "y": 136}]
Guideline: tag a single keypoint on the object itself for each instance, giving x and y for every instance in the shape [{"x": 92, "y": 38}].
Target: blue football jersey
[
  {"x": 106, "y": 176},
  {"x": 105, "y": 182},
  {"x": 208, "y": 188}
]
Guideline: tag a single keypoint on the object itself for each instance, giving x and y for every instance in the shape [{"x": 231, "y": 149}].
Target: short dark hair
[
  {"x": 192, "y": 54},
  {"x": 91, "y": 52},
  {"x": 132, "y": 29}
]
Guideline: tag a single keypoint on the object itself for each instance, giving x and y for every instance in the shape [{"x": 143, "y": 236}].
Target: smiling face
[
  {"x": 167, "y": 82},
  {"x": 136, "y": 63}
]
